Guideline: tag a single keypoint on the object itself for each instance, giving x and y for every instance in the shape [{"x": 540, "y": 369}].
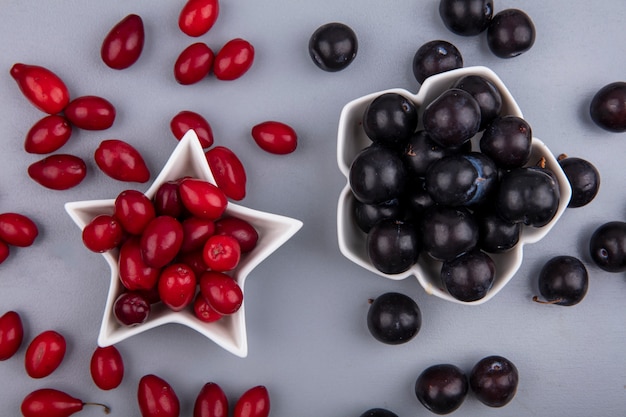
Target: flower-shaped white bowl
[
  {"x": 230, "y": 331},
  {"x": 351, "y": 139}
]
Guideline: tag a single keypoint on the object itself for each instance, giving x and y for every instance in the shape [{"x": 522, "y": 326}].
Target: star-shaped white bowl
[
  {"x": 351, "y": 139},
  {"x": 230, "y": 331}
]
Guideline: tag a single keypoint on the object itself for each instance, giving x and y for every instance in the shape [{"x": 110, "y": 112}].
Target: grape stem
[
  {"x": 555, "y": 301},
  {"x": 106, "y": 408}
]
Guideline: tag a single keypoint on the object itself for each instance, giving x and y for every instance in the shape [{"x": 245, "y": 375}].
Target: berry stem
[
  {"x": 555, "y": 301},
  {"x": 106, "y": 408}
]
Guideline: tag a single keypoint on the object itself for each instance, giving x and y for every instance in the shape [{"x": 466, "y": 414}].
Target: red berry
[
  {"x": 11, "y": 334},
  {"x": 43, "y": 88},
  {"x": 198, "y": 16},
  {"x": 156, "y": 398},
  {"x": 233, "y": 60},
  {"x": 221, "y": 291},
  {"x": 58, "y": 172},
  {"x": 228, "y": 171},
  {"x": 5, "y": 251},
  {"x": 44, "y": 354},
  {"x": 48, "y": 135},
  {"x": 104, "y": 232},
  {"x": 134, "y": 211},
  {"x": 275, "y": 137},
  {"x": 221, "y": 253},
  {"x": 161, "y": 241},
  {"x": 187, "y": 120},
  {"x": 253, "y": 403},
  {"x": 240, "y": 229},
  {"x": 90, "y": 113},
  {"x": 121, "y": 161},
  {"x": 135, "y": 274},
  {"x": 107, "y": 367},
  {"x": 177, "y": 286},
  {"x": 17, "y": 229},
  {"x": 211, "y": 402},
  {"x": 123, "y": 44},
  {"x": 193, "y": 64},
  {"x": 131, "y": 308},
  {"x": 203, "y": 310},
  {"x": 196, "y": 232},
  {"x": 202, "y": 198},
  {"x": 167, "y": 200},
  {"x": 48, "y": 402}
]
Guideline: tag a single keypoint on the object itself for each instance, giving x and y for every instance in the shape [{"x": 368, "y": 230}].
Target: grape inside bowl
[{"x": 352, "y": 138}]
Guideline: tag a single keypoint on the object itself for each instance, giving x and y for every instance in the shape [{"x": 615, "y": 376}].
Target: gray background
[{"x": 306, "y": 304}]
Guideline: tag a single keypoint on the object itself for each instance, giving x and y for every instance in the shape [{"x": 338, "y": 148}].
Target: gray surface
[{"x": 306, "y": 304}]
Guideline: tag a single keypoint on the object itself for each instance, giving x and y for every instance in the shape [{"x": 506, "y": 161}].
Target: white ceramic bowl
[
  {"x": 351, "y": 139},
  {"x": 230, "y": 331}
]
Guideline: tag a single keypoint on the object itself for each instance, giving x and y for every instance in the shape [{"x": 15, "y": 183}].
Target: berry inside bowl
[
  {"x": 352, "y": 139},
  {"x": 229, "y": 332}
]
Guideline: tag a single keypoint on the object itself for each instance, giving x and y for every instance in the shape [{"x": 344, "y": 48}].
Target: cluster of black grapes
[{"x": 428, "y": 192}]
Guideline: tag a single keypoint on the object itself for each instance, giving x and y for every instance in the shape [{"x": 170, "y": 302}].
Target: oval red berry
[
  {"x": 275, "y": 137},
  {"x": 193, "y": 64},
  {"x": 58, "y": 172},
  {"x": 107, "y": 367},
  {"x": 48, "y": 134},
  {"x": 123, "y": 44},
  {"x": 228, "y": 171},
  {"x": 198, "y": 16},
  {"x": 121, "y": 161},
  {"x": 90, "y": 113},
  {"x": 188, "y": 120},
  {"x": 42, "y": 87},
  {"x": 233, "y": 60}
]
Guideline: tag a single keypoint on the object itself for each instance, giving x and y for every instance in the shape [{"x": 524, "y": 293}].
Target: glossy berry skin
[
  {"x": 177, "y": 286},
  {"x": 529, "y": 195},
  {"x": 17, "y": 229},
  {"x": 240, "y": 229},
  {"x": 42, "y": 87},
  {"x": 58, "y": 171},
  {"x": 131, "y": 308},
  {"x": 435, "y": 57},
  {"x": 135, "y": 273},
  {"x": 228, "y": 171},
  {"x": 608, "y": 107},
  {"x": 186, "y": 120},
  {"x": 563, "y": 280},
  {"x": 11, "y": 334},
  {"x": 497, "y": 235},
  {"x": 203, "y": 310},
  {"x": 333, "y": 46},
  {"x": 233, "y": 60},
  {"x": 44, "y": 354},
  {"x": 470, "y": 276},
  {"x": 607, "y": 246},
  {"x": 104, "y": 232},
  {"x": 377, "y": 174},
  {"x": 202, "y": 198},
  {"x": 378, "y": 412},
  {"x": 193, "y": 64},
  {"x": 393, "y": 246},
  {"x": 367, "y": 215},
  {"x": 275, "y": 137},
  {"x": 486, "y": 95},
  {"x": 448, "y": 232},
  {"x": 390, "y": 119},
  {"x": 466, "y": 17},
  {"x": 221, "y": 291},
  {"x": 198, "y": 16},
  {"x": 453, "y": 118},
  {"x": 420, "y": 151},
  {"x": 394, "y": 318},
  {"x": 211, "y": 402},
  {"x": 90, "y": 113},
  {"x": 106, "y": 367},
  {"x": 494, "y": 380},
  {"x": 510, "y": 33},
  {"x": 5, "y": 251},
  {"x": 161, "y": 240},
  {"x": 134, "y": 211},
  {"x": 121, "y": 161},
  {"x": 123, "y": 45},
  {"x": 167, "y": 200},
  {"x": 507, "y": 141},
  {"x": 157, "y": 398},
  {"x": 196, "y": 232},
  {"x": 221, "y": 253},
  {"x": 255, "y": 402},
  {"x": 48, "y": 402},
  {"x": 441, "y": 388},
  {"x": 462, "y": 179},
  {"x": 48, "y": 135},
  {"x": 584, "y": 179}
]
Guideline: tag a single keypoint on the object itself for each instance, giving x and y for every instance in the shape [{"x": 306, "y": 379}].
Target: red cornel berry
[
  {"x": 121, "y": 161},
  {"x": 275, "y": 137},
  {"x": 122, "y": 46},
  {"x": 156, "y": 398},
  {"x": 233, "y": 60},
  {"x": 11, "y": 334},
  {"x": 43, "y": 88},
  {"x": 58, "y": 172},
  {"x": 228, "y": 171},
  {"x": 48, "y": 402},
  {"x": 187, "y": 120},
  {"x": 198, "y": 16}
]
